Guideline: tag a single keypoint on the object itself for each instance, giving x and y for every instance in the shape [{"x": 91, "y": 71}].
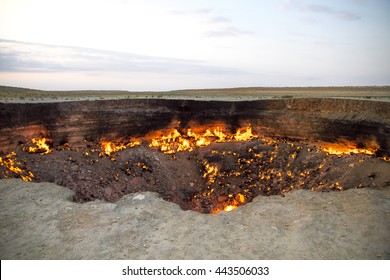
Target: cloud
[
  {"x": 360, "y": 2},
  {"x": 213, "y": 24},
  {"x": 228, "y": 31},
  {"x": 16, "y": 56},
  {"x": 285, "y": 5},
  {"x": 348, "y": 16},
  {"x": 219, "y": 33},
  {"x": 320, "y": 9},
  {"x": 314, "y": 8},
  {"x": 343, "y": 15},
  {"x": 220, "y": 20},
  {"x": 192, "y": 12}
]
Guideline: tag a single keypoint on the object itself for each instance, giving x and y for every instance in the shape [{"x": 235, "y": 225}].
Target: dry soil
[{"x": 39, "y": 221}]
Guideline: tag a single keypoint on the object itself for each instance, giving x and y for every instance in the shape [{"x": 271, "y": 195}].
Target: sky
[{"x": 182, "y": 44}]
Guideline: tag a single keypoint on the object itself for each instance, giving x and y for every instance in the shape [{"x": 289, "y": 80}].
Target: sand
[
  {"x": 39, "y": 221},
  {"x": 24, "y": 95}
]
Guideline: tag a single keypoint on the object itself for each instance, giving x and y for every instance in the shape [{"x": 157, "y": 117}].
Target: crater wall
[{"x": 363, "y": 122}]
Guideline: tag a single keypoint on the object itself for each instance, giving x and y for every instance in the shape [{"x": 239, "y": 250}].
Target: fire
[
  {"x": 211, "y": 172},
  {"x": 229, "y": 208},
  {"x": 239, "y": 200},
  {"x": 110, "y": 147},
  {"x": 13, "y": 166},
  {"x": 10, "y": 163},
  {"x": 217, "y": 133},
  {"x": 41, "y": 146},
  {"x": 335, "y": 149},
  {"x": 231, "y": 205},
  {"x": 346, "y": 147},
  {"x": 252, "y": 170},
  {"x": 173, "y": 141},
  {"x": 244, "y": 135}
]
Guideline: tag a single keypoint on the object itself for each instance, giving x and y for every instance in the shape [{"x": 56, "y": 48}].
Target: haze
[{"x": 172, "y": 44}]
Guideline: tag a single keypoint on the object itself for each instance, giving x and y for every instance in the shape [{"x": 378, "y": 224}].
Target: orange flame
[
  {"x": 173, "y": 141},
  {"x": 41, "y": 146},
  {"x": 12, "y": 165},
  {"x": 229, "y": 208},
  {"x": 110, "y": 147},
  {"x": 350, "y": 148},
  {"x": 244, "y": 135},
  {"x": 230, "y": 205}
]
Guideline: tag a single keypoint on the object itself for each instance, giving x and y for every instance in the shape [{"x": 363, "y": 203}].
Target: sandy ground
[
  {"x": 39, "y": 221},
  {"x": 24, "y": 95}
]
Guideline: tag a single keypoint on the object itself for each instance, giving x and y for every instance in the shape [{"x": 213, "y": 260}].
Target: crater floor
[{"x": 40, "y": 221}]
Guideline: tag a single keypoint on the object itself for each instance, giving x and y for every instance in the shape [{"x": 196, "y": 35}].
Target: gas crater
[{"x": 206, "y": 156}]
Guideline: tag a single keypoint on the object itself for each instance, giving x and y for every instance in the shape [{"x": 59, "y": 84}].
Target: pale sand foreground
[{"x": 39, "y": 221}]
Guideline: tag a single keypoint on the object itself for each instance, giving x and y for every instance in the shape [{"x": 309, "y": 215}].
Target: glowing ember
[
  {"x": 229, "y": 208},
  {"x": 15, "y": 168},
  {"x": 41, "y": 146},
  {"x": 239, "y": 200},
  {"x": 211, "y": 172},
  {"x": 230, "y": 205}
]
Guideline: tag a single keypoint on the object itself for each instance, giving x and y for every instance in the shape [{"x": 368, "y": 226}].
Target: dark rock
[{"x": 316, "y": 119}]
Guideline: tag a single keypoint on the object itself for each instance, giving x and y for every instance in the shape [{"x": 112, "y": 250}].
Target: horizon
[
  {"x": 385, "y": 86},
  {"x": 10, "y": 93},
  {"x": 170, "y": 45},
  {"x": 211, "y": 89}
]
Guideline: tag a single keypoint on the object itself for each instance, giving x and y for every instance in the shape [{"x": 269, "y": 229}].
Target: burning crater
[{"x": 204, "y": 156}]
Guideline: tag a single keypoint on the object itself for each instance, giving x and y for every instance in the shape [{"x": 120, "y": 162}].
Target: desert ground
[
  {"x": 39, "y": 221},
  {"x": 13, "y": 94},
  {"x": 42, "y": 220}
]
